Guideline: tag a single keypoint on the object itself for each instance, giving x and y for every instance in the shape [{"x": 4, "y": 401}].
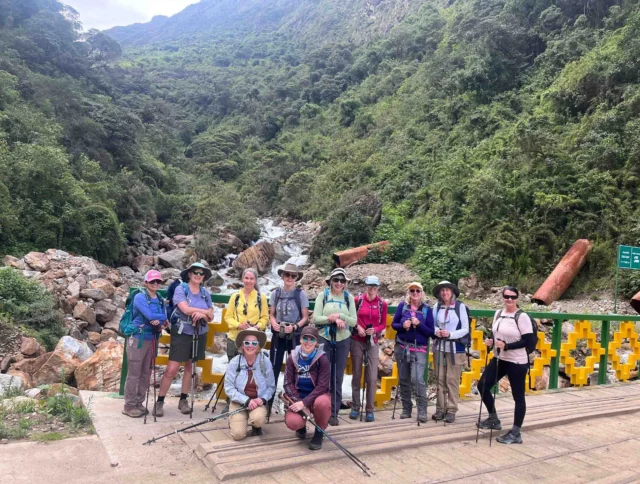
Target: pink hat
[{"x": 153, "y": 275}]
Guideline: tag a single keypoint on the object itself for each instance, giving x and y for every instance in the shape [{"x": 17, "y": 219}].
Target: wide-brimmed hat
[
  {"x": 262, "y": 337},
  {"x": 336, "y": 272},
  {"x": 184, "y": 275},
  {"x": 442, "y": 285},
  {"x": 289, "y": 267}
]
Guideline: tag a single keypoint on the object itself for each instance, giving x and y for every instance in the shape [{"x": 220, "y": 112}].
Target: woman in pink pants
[{"x": 306, "y": 384}]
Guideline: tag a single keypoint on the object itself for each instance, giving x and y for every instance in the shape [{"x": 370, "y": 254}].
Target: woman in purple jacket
[{"x": 413, "y": 322}]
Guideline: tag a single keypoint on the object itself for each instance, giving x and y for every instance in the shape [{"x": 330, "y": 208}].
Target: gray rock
[
  {"x": 173, "y": 258},
  {"x": 10, "y": 381},
  {"x": 170, "y": 274},
  {"x": 93, "y": 327},
  {"x": 84, "y": 312},
  {"x": 105, "y": 311},
  {"x": 71, "y": 348},
  {"x": 125, "y": 272},
  {"x": 216, "y": 280},
  {"x": 95, "y": 294},
  {"x": 33, "y": 392},
  {"x": 74, "y": 289}
]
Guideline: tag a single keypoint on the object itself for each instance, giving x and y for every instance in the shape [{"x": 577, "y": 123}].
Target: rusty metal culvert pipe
[
  {"x": 635, "y": 302},
  {"x": 563, "y": 275},
  {"x": 347, "y": 257}
]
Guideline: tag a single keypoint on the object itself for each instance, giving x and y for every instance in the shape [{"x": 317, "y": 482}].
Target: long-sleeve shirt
[
  {"x": 372, "y": 313},
  {"x": 335, "y": 304},
  {"x": 256, "y": 316},
  {"x": 237, "y": 376},
  {"x": 446, "y": 318},
  {"x": 146, "y": 311},
  {"x": 418, "y": 334}
]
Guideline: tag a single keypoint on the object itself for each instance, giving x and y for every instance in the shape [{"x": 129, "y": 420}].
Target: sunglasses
[
  {"x": 309, "y": 339},
  {"x": 245, "y": 309},
  {"x": 154, "y": 282},
  {"x": 415, "y": 291},
  {"x": 509, "y": 296},
  {"x": 339, "y": 281},
  {"x": 289, "y": 275},
  {"x": 372, "y": 286},
  {"x": 197, "y": 273},
  {"x": 250, "y": 343}
]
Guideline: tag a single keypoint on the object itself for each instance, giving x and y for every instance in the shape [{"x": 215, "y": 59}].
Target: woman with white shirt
[
  {"x": 512, "y": 332},
  {"x": 451, "y": 326}
]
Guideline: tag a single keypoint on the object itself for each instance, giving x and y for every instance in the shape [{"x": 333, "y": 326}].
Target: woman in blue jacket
[{"x": 413, "y": 322}]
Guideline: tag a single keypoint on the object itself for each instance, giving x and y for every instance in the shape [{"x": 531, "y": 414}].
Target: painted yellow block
[
  {"x": 579, "y": 374},
  {"x": 626, "y": 331}
]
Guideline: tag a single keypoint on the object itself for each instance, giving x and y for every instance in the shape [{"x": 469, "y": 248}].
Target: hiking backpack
[
  {"x": 126, "y": 326},
  {"x": 296, "y": 298},
  {"x": 530, "y": 347},
  {"x": 346, "y": 298},
  {"x": 170, "y": 307},
  {"x": 237, "y": 301},
  {"x": 466, "y": 339}
]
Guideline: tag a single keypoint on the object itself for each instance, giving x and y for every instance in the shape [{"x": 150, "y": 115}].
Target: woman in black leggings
[{"x": 512, "y": 331}]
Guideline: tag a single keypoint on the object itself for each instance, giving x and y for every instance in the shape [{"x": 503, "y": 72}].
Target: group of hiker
[{"x": 315, "y": 352}]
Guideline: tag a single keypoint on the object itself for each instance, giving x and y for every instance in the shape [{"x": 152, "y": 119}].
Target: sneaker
[
  {"x": 422, "y": 417},
  {"x": 439, "y": 415},
  {"x": 132, "y": 412},
  {"x": 301, "y": 433},
  {"x": 450, "y": 417},
  {"x": 142, "y": 408},
  {"x": 256, "y": 431},
  {"x": 490, "y": 423},
  {"x": 405, "y": 414},
  {"x": 510, "y": 438},
  {"x": 158, "y": 409},
  {"x": 333, "y": 421},
  {"x": 316, "y": 440},
  {"x": 184, "y": 406},
  {"x": 354, "y": 414},
  {"x": 369, "y": 417}
]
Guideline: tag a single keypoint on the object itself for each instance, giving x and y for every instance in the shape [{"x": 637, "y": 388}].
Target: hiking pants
[
  {"x": 139, "y": 362},
  {"x": 278, "y": 348},
  {"x": 232, "y": 351},
  {"x": 339, "y": 365},
  {"x": 358, "y": 354},
  {"x": 238, "y": 423},
  {"x": 516, "y": 374},
  {"x": 448, "y": 370},
  {"x": 409, "y": 363},
  {"x": 321, "y": 410}
]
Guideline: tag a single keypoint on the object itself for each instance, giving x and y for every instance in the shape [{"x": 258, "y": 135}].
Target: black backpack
[
  {"x": 466, "y": 339},
  {"x": 296, "y": 298},
  {"x": 534, "y": 326}
]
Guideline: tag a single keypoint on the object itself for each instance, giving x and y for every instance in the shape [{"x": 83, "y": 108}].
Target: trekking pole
[
  {"x": 426, "y": 381},
  {"x": 367, "y": 346},
  {"x": 155, "y": 382},
  {"x": 276, "y": 337},
  {"x": 210, "y": 419},
  {"x": 495, "y": 384},
  {"x": 415, "y": 369},
  {"x": 194, "y": 361},
  {"x": 486, "y": 362},
  {"x": 395, "y": 400},
  {"x": 216, "y": 394},
  {"x": 333, "y": 329},
  {"x": 151, "y": 367}
]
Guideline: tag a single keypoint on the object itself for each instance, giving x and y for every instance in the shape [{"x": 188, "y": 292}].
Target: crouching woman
[
  {"x": 306, "y": 384},
  {"x": 249, "y": 382}
]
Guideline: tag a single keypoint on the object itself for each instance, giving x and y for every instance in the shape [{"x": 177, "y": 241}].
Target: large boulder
[
  {"x": 143, "y": 262},
  {"x": 11, "y": 261},
  {"x": 167, "y": 244},
  {"x": 74, "y": 348},
  {"x": 85, "y": 312},
  {"x": 173, "y": 258},
  {"x": 59, "y": 366},
  {"x": 31, "y": 365},
  {"x": 114, "y": 324},
  {"x": 38, "y": 261},
  {"x": 27, "y": 381},
  {"x": 104, "y": 285},
  {"x": 95, "y": 294},
  {"x": 105, "y": 311},
  {"x": 101, "y": 372},
  {"x": 260, "y": 257},
  {"x": 10, "y": 382},
  {"x": 30, "y": 347},
  {"x": 74, "y": 289}
]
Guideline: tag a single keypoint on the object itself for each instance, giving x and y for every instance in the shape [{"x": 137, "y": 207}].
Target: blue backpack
[{"x": 170, "y": 307}]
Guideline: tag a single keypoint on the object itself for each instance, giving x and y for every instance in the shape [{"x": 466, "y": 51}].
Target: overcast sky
[{"x": 104, "y": 14}]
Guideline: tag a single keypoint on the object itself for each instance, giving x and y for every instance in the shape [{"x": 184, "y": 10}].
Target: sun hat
[
  {"x": 372, "y": 281},
  {"x": 184, "y": 275},
  {"x": 153, "y": 275},
  {"x": 262, "y": 337},
  {"x": 289, "y": 267},
  {"x": 415, "y": 284},
  {"x": 336, "y": 272},
  {"x": 442, "y": 285}
]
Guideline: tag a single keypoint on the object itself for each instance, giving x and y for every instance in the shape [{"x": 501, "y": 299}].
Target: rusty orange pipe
[
  {"x": 564, "y": 273},
  {"x": 347, "y": 257},
  {"x": 635, "y": 302}
]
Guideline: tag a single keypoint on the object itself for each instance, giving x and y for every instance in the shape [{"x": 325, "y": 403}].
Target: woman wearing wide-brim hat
[
  {"x": 451, "y": 337},
  {"x": 249, "y": 383},
  {"x": 193, "y": 311},
  {"x": 335, "y": 316}
]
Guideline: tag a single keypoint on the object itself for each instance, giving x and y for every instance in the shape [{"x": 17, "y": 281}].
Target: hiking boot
[
  {"x": 316, "y": 440},
  {"x": 439, "y": 415},
  {"x": 450, "y": 418},
  {"x": 369, "y": 417},
  {"x": 158, "y": 409},
  {"x": 142, "y": 408},
  {"x": 184, "y": 406},
  {"x": 510, "y": 438},
  {"x": 225, "y": 409},
  {"x": 490, "y": 423},
  {"x": 333, "y": 421},
  {"x": 422, "y": 417},
  {"x": 405, "y": 413},
  {"x": 301, "y": 433},
  {"x": 354, "y": 414},
  {"x": 344, "y": 406},
  {"x": 256, "y": 431},
  {"x": 132, "y": 412}
]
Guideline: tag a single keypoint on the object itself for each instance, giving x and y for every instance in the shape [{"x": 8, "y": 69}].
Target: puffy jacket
[
  {"x": 237, "y": 377},
  {"x": 418, "y": 334},
  {"x": 319, "y": 371}
]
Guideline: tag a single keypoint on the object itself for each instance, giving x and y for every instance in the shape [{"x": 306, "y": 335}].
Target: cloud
[{"x": 104, "y": 14}]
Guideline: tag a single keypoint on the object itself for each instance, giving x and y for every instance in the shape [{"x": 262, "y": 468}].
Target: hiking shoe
[
  {"x": 142, "y": 408},
  {"x": 354, "y": 414},
  {"x": 439, "y": 415},
  {"x": 158, "y": 410},
  {"x": 405, "y": 414},
  {"x": 490, "y": 423},
  {"x": 510, "y": 438},
  {"x": 450, "y": 418},
  {"x": 132, "y": 412},
  {"x": 316, "y": 440},
  {"x": 225, "y": 409},
  {"x": 184, "y": 406},
  {"x": 301, "y": 433},
  {"x": 344, "y": 406},
  {"x": 256, "y": 431},
  {"x": 422, "y": 417},
  {"x": 333, "y": 421},
  {"x": 369, "y": 417}
]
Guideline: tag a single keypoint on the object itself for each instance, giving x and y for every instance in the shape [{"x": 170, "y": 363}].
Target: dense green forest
[{"x": 493, "y": 133}]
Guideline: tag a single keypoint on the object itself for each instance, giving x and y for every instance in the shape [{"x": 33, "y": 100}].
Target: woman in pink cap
[{"x": 148, "y": 316}]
